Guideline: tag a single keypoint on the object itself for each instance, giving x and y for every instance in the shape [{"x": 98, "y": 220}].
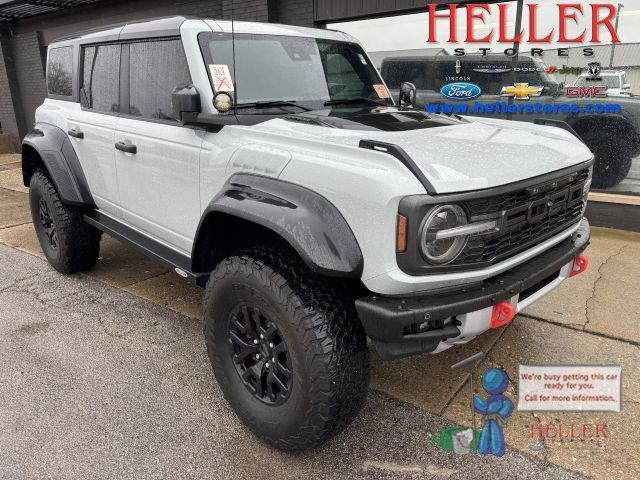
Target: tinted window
[
  {"x": 156, "y": 69},
  {"x": 100, "y": 78},
  {"x": 60, "y": 71}
]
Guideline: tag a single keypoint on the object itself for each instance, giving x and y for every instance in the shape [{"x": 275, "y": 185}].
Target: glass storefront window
[{"x": 592, "y": 87}]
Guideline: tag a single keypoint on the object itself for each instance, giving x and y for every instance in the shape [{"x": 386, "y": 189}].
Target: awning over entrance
[{"x": 11, "y": 10}]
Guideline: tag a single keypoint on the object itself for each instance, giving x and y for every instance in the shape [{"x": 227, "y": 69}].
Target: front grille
[
  {"x": 507, "y": 201},
  {"x": 522, "y": 218}
]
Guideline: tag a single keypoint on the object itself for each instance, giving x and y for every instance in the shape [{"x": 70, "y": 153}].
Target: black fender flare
[
  {"x": 311, "y": 224},
  {"x": 59, "y": 157}
]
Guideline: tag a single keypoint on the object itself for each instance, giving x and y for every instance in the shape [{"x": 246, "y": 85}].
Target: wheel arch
[
  {"x": 47, "y": 147},
  {"x": 253, "y": 210}
]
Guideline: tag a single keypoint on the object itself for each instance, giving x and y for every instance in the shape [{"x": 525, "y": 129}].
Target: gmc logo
[
  {"x": 589, "y": 91},
  {"x": 542, "y": 208}
]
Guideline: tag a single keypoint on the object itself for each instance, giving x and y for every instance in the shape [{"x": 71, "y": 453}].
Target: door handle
[
  {"x": 76, "y": 133},
  {"x": 126, "y": 148}
]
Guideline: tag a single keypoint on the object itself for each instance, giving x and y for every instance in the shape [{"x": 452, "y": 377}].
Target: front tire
[
  {"x": 69, "y": 244},
  {"x": 314, "y": 379}
]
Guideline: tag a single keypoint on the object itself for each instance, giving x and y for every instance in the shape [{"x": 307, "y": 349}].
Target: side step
[{"x": 179, "y": 263}]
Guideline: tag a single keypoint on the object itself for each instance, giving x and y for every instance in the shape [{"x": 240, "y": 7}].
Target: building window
[
  {"x": 60, "y": 71},
  {"x": 101, "y": 78},
  {"x": 156, "y": 69}
]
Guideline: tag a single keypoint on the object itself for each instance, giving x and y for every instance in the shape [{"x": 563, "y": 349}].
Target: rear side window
[
  {"x": 60, "y": 71},
  {"x": 156, "y": 69},
  {"x": 101, "y": 78}
]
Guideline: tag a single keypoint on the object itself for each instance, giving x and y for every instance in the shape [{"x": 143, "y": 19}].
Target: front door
[{"x": 157, "y": 160}]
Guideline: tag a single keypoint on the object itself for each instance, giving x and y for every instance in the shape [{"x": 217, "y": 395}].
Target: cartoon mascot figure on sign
[{"x": 495, "y": 410}]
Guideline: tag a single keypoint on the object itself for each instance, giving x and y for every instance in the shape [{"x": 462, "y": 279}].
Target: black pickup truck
[{"x": 614, "y": 138}]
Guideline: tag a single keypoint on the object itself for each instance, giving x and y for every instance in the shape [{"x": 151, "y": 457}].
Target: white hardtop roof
[
  {"x": 606, "y": 73},
  {"x": 277, "y": 29}
]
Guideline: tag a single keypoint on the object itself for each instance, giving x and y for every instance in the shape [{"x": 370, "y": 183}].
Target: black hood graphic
[{"x": 385, "y": 119}]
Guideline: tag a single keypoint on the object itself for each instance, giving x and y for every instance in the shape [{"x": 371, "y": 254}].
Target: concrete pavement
[{"x": 592, "y": 319}]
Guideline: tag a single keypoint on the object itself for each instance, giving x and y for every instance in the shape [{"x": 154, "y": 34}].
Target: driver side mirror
[
  {"x": 626, "y": 86},
  {"x": 185, "y": 102},
  {"x": 408, "y": 93}
]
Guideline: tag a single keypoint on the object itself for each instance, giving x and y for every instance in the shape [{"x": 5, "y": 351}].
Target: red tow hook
[
  {"x": 580, "y": 265},
  {"x": 502, "y": 315}
]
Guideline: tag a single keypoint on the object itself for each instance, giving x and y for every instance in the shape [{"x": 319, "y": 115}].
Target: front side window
[
  {"x": 271, "y": 68},
  {"x": 156, "y": 69},
  {"x": 100, "y": 78},
  {"x": 60, "y": 71}
]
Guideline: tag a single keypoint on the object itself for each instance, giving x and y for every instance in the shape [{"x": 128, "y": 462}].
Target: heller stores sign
[{"x": 594, "y": 23}]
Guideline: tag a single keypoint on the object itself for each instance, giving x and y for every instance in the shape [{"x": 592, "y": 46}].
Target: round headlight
[
  {"x": 442, "y": 249},
  {"x": 223, "y": 102}
]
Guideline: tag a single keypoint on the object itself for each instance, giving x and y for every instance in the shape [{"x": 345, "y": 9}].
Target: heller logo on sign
[
  {"x": 569, "y": 388},
  {"x": 222, "y": 80},
  {"x": 592, "y": 19}
]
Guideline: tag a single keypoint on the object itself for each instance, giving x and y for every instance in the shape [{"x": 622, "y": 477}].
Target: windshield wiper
[
  {"x": 346, "y": 101},
  {"x": 274, "y": 103}
]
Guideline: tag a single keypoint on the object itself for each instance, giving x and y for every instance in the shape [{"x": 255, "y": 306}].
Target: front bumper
[{"x": 432, "y": 322}]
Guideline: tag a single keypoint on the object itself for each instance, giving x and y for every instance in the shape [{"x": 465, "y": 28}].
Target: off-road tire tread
[
  {"x": 79, "y": 242},
  {"x": 608, "y": 148},
  {"x": 327, "y": 327}
]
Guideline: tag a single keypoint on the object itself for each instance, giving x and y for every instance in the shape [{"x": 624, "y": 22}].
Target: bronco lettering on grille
[{"x": 541, "y": 208}]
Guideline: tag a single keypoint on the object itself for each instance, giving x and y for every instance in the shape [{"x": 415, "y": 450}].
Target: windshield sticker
[
  {"x": 221, "y": 76},
  {"x": 382, "y": 91}
]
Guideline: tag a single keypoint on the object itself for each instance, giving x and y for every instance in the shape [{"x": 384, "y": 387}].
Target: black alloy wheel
[
  {"x": 260, "y": 355},
  {"x": 48, "y": 225}
]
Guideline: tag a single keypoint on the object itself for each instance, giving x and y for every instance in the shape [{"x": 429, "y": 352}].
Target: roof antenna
[{"x": 233, "y": 48}]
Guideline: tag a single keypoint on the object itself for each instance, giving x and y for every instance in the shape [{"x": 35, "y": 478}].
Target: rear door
[
  {"x": 157, "y": 160},
  {"x": 91, "y": 125}
]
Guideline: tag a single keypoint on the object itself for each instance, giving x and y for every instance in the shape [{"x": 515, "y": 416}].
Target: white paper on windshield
[
  {"x": 381, "y": 91},
  {"x": 222, "y": 80}
]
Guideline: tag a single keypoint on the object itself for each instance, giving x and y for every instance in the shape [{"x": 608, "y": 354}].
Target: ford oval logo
[{"x": 461, "y": 91}]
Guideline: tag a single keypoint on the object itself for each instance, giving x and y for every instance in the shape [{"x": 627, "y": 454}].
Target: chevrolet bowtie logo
[{"x": 521, "y": 91}]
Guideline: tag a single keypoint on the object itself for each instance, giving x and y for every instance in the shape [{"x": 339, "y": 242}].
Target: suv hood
[{"x": 456, "y": 154}]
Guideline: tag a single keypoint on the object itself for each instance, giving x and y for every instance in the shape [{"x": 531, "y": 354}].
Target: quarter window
[
  {"x": 100, "y": 78},
  {"x": 156, "y": 69},
  {"x": 60, "y": 71}
]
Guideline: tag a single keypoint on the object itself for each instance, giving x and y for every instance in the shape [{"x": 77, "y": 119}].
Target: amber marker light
[{"x": 401, "y": 234}]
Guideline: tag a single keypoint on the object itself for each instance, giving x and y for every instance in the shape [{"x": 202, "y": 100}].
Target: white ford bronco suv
[{"x": 269, "y": 165}]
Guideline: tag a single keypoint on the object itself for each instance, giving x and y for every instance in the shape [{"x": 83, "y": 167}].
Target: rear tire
[
  {"x": 612, "y": 159},
  {"x": 69, "y": 244},
  {"x": 311, "y": 330}
]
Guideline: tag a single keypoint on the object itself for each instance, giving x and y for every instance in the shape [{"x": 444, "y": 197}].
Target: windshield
[
  {"x": 308, "y": 71},
  {"x": 609, "y": 81}
]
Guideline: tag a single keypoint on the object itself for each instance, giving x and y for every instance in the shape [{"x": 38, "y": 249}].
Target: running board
[{"x": 179, "y": 263}]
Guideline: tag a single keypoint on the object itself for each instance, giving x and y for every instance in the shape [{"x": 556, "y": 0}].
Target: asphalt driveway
[{"x": 98, "y": 383}]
